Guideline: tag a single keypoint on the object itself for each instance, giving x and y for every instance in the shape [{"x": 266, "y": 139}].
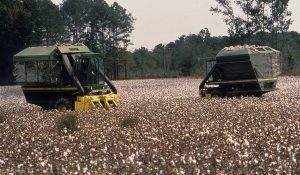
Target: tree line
[
  {"x": 106, "y": 28},
  {"x": 251, "y": 22},
  {"x": 102, "y": 27},
  {"x": 187, "y": 55}
]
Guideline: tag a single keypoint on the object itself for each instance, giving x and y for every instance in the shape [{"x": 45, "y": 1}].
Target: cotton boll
[{"x": 177, "y": 131}]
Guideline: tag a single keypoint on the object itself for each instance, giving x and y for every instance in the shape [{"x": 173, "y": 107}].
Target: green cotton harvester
[
  {"x": 241, "y": 70},
  {"x": 65, "y": 77}
]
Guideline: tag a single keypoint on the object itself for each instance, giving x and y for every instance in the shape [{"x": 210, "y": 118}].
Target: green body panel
[
  {"x": 49, "y": 52},
  {"x": 92, "y": 55},
  {"x": 36, "y": 53},
  {"x": 264, "y": 60},
  {"x": 73, "y": 49}
]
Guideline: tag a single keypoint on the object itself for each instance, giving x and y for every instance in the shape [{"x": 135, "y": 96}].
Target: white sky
[{"x": 163, "y": 21}]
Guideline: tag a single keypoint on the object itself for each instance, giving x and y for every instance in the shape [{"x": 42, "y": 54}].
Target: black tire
[
  {"x": 46, "y": 107},
  {"x": 259, "y": 94},
  {"x": 217, "y": 93},
  {"x": 63, "y": 104}
]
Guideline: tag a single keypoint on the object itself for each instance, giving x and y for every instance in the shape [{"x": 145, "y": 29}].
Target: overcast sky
[{"x": 163, "y": 21}]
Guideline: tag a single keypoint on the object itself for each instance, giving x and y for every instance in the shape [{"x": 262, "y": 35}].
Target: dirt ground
[{"x": 174, "y": 132}]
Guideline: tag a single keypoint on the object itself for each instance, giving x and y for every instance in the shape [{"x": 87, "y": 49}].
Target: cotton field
[{"x": 175, "y": 132}]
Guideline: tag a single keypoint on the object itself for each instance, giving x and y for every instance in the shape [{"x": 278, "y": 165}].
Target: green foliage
[
  {"x": 184, "y": 57},
  {"x": 97, "y": 21},
  {"x": 68, "y": 121},
  {"x": 27, "y": 23},
  {"x": 15, "y": 31},
  {"x": 102, "y": 27},
  {"x": 106, "y": 28},
  {"x": 75, "y": 13},
  {"x": 49, "y": 24},
  {"x": 129, "y": 122},
  {"x": 121, "y": 24},
  {"x": 187, "y": 55},
  {"x": 248, "y": 17}
]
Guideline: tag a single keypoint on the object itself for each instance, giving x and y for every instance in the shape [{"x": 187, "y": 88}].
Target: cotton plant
[{"x": 175, "y": 131}]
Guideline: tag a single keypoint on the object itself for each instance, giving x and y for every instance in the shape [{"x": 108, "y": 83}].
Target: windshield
[{"x": 87, "y": 71}]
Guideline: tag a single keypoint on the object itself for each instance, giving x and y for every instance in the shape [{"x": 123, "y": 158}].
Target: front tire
[
  {"x": 218, "y": 93},
  {"x": 63, "y": 104},
  {"x": 46, "y": 107}
]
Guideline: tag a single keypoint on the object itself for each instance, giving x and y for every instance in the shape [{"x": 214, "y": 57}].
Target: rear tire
[
  {"x": 218, "y": 93},
  {"x": 259, "y": 94},
  {"x": 63, "y": 104},
  {"x": 46, "y": 107}
]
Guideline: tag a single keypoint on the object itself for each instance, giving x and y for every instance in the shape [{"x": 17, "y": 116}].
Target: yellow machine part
[{"x": 88, "y": 102}]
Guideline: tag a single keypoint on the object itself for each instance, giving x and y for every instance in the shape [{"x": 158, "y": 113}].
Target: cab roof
[
  {"x": 78, "y": 48},
  {"x": 48, "y": 52}
]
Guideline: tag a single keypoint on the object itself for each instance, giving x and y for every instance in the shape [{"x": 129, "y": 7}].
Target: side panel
[
  {"x": 262, "y": 64},
  {"x": 229, "y": 71},
  {"x": 267, "y": 65},
  {"x": 35, "y": 72}
]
